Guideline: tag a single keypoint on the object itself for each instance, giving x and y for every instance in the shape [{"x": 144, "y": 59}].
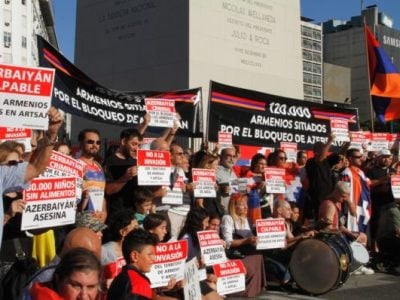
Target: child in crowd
[
  {"x": 143, "y": 204},
  {"x": 138, "y": 249}
]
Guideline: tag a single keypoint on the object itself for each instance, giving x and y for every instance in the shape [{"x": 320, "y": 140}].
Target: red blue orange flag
[{"x": 384, "y": 81}]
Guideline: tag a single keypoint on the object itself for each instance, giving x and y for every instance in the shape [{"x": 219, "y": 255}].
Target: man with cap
[{"x": 381, "y": 193}]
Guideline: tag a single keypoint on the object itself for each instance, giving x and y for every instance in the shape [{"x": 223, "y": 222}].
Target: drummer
[
  {"x": 277, "y": 260},
  {"x": 331, "y": 216}
]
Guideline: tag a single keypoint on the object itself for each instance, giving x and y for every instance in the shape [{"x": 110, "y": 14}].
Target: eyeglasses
[
  {"x": 91, "y": 142},
  {"x": 357, "y": 156},
  {"x": 13, "y": 162},
  {"x": 282, "y": 158}
]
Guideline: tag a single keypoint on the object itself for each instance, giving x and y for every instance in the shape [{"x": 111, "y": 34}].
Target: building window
[
  {"x": 23, "y": 2},
  {"x": 24, "y": 42},
  {"x": 7, "y": 1},
  {"x": 7, "y": 58},
  {"x": 7, "y": 39}
]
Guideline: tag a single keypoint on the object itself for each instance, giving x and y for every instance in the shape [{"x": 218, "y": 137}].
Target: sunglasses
[
  {"x": 91, "y": 142},
  {"x": 13, "y": 162}
]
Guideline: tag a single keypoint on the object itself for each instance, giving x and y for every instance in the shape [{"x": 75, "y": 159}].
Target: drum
[
  {"x": 321, "y": 264},
  {"x": 360, "y": 255}
]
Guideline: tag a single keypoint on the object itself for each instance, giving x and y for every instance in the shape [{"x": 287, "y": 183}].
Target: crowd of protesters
[{"x": 347, "y": 192}]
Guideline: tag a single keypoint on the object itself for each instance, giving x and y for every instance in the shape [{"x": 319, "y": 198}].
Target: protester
[
  {"x": 197, "y": 220},
  {"x": 225, "y": 174},
  {"x": 93, "y": 179},
  {"x": 301, "y": 158},
  {"x": 295, "y": 219},
  {"x": 212, "y": 205},
  {"x": 63, "y": 148},
  {"x": 121, "y": 171},
  {"x": 331, "y": 210},
  {"x": 16, "y": 176},
  {"x": 241, "y": 243},
  {"x": 388, "y": 238},
  {"x": 157, "y": 225},
  {"x": 143, "y": 200},
  {"x": 319, "y": 178},
  {"x": 357, "y": 223},
  {"x": 381, "y": 191},
  {"x": 123, "y": 222},
  {"x": 258, "y": 203},
  {"x": 77, "y": 276},
  {"x": 80, "y": 237},
  {"x": 139, "y": 253}
]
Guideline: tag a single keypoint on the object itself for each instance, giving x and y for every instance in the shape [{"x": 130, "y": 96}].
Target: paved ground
[{"x": 378, "y": 286}]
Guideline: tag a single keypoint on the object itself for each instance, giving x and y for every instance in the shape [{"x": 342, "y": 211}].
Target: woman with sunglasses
[
  {"x": 11, "y": 155},
  {"x": 241, "y": 244}
]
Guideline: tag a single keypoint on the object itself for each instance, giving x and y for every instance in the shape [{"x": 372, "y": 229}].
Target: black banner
[
  {"x": 260, "y": 119},
  {"x": 75, "y": 93}
]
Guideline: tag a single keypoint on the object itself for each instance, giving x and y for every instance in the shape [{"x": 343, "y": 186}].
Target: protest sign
[
  {"x": 175, "y": 195},
  {"x": 271, "y": 233},
  {"x": 20, "y": 135},
  {"x": 75, "y": 93},
  {"x": 240, "y": 184},
  {"x": 395, "y": 181},
  {"x": 340, "y": 129},
  {"x": 260, "y": 119},
  {"x": 290, "y": 150},
  {"x": 212, "y": 250},
  {"x": 61, "y": 165},
  {"x": 275, "y": 180},
  {"x": 394, "y": 141},
  {"x": 49, "y": 202},
  {"x": 360, "y": 139},
  {"x": 231, "y": 277},
  {"x": 204, "y": 180},
  {"x": 191, "y": 289},
  {"x": 25, "y": 96},
  {"x": 224, "y": 139},
  {"x": 169, "y": 263},
  {"x": 380, "y": 141},
  {"x": 154, "y": 167},
  {"x": 162, "y": 112},
  {"x": 12, "y": 133},
  {"x": 112, "y": 269}
]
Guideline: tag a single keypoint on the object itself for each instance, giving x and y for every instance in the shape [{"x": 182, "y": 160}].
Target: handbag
[
  {"x": 241, "y": 251},
  {"x": 18, "y": 275}
]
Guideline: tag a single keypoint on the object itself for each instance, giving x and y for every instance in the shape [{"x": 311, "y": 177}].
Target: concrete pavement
[{"x": 378, "y": 286}]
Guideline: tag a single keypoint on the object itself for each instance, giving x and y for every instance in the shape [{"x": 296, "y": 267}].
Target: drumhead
[
  {"x": 360, "y": 253},
  {"x": 315, "y": 267}
]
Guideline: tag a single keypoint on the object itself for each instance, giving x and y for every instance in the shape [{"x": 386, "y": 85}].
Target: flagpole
[{"x": 371, "y": 110}]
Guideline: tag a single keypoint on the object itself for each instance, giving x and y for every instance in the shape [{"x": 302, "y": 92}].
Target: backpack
[{"x": 18, "y": 276}]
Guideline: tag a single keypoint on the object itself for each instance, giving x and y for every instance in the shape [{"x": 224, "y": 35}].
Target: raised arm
[{"x": 45, "y": 146}]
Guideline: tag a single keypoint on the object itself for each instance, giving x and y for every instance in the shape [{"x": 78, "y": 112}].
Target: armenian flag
[{"x": 384, "y": 81}]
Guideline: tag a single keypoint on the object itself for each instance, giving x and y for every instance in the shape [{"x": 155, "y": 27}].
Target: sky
[{"x": 319, "y": 10}]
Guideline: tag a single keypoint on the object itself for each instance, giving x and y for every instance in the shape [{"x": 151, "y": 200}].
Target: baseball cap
[{"x": 384, "y": 152}]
